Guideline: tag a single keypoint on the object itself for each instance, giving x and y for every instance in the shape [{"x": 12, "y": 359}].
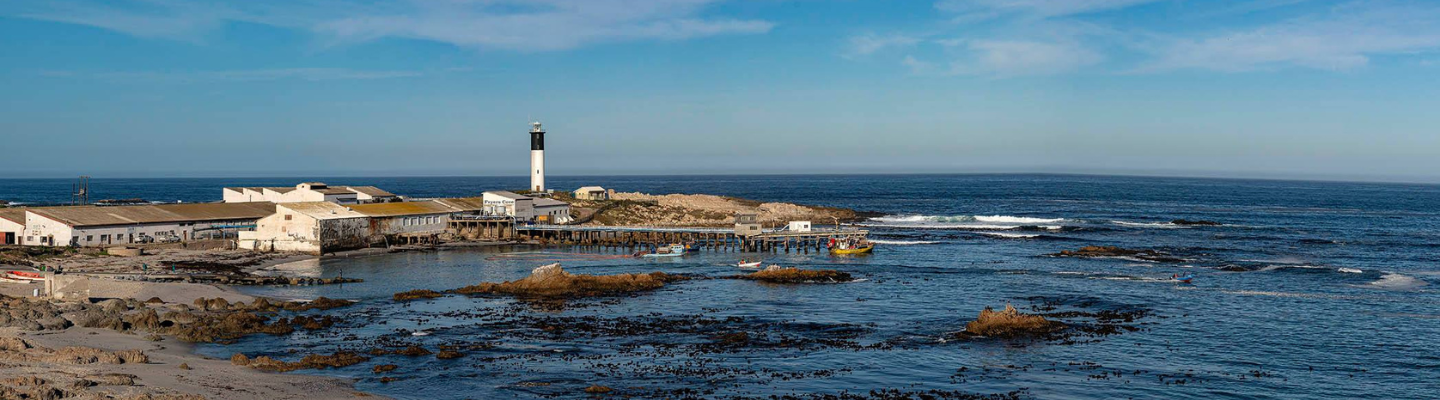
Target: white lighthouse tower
[{"x": 537, "y": 157}]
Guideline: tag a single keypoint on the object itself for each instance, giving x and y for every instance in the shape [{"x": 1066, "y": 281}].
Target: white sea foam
[
  {"x": 1394, "y": 281},
  {"x": 1350, "y": 270},
  {"x": 962, "y": 221},
  {"x": 1006, "y": 219},
  {"x": 1275, "y": 267},
  {"x": 1165, "y": 225},
  {"x": 1011, "y": 235},
  {"x": 1068, "y": 273},
  {"x": 901, "y": 242}
]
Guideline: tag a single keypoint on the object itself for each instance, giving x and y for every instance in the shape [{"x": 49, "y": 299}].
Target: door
[{"x": 9, "y": 238}]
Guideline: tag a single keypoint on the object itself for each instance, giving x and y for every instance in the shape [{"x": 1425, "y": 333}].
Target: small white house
[
  {"x": 798, "y": 226},
  {"x": 592, "y": 193}
]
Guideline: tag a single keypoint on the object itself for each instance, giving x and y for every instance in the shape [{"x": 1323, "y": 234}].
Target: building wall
[
  {"x": 13, "y": 228},
  {"x": 409, "y": 224},
  {"x": 287, "y": 230},
  {"x": 555, "y": 214},
  {"x": 37, "y": 228}
]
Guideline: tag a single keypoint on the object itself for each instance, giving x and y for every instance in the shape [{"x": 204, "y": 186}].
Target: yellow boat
[{"x": 862, "y": 250}]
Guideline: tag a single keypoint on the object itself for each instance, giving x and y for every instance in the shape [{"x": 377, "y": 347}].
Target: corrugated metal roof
[
  {"x": 370, "y": 191},
  {"x": 402, "y": 209},
  {"x": 464, "y": 203},
  {"x": 590, "y": 189},
  {"x": 16, "y": 215},
  {"x": 544, "y": 202},
  {"x": 508, "y": 195},
  {"x": 151, "y": 214},
  {"x": 320, "y": 210}
]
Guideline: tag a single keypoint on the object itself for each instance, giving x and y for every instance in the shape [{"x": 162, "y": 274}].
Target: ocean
[{"x": 1306, "y": 290}]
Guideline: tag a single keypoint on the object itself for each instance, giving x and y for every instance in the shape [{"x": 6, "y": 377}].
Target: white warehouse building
[{"x": 307, "y": 192}]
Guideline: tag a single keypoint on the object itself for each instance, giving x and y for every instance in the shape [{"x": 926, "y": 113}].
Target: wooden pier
[{"x": 643, "y": 237}]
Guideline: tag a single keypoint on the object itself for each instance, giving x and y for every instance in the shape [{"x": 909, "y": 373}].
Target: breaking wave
[
  {"x": 972, "y": 222},
  {"x": 1011, "y": 235},
  {"x": 901, "y": 242},
  {"x": 1394, "y": 281},
  {"x": 1167, "y": 225}
]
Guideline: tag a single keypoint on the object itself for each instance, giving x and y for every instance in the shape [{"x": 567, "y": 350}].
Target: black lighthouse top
[{"x": 537, "y": 137}]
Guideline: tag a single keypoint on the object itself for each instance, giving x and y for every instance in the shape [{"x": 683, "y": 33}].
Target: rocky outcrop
[
  {"x": 701, "y": 210},
  {"x": 1010, "y": 323},
  {"x": 777, "y": 274},
  {"x": 551, "y": 281},
  {"x": 1114, "y": 252}
]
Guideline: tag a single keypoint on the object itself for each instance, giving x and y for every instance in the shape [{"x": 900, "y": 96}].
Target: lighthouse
[{"x": 537, "y": 157}]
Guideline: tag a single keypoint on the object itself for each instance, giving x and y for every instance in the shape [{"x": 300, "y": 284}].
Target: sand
[{"x": 211, "y": 378}]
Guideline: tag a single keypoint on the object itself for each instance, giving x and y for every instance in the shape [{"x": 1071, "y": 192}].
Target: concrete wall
[{"x": 409, "y": 224}]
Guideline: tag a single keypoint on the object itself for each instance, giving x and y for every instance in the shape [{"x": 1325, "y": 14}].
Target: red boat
[{"x": 25, "y": 275}]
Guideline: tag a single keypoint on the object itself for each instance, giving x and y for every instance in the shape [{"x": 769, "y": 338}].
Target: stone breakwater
[{"x": 701, "y": 210}]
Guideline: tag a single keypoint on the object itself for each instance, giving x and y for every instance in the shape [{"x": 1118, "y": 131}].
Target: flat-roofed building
[{"x": 103, "y": 226}]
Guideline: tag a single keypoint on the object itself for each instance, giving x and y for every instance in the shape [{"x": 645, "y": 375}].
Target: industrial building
[
  {"x": 308, "y": 192},
  {"x": 526, "y": 208},
  {"x": 320, "y": 227},
  {"x": 102, "y": 226}
]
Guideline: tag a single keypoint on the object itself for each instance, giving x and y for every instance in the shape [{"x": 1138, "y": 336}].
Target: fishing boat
[
  {"x": 673, "y": 250},
  {"x": 25, "y": 275},
  {"x": 851, "y": 246},
  {"x": 1185, "y": 278},
  {"x": 858, "y": 250},
  {"x": 743, "y": 264}
]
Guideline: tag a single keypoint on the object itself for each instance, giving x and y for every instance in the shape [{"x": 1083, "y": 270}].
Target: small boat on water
[
  {"x": 743, "y": 264},
  {"x": 25, "y": 275},
  {"x": 851, "y": 246},
  {"x": 1184, "y": 278},
  {"x": 673, "y": 250}
]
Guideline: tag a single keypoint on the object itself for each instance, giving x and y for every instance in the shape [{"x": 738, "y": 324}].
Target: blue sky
[{"x": 1279, "y": 88}]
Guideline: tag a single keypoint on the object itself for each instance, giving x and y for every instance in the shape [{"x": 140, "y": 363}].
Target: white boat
[{"x": 743, "y": 264}]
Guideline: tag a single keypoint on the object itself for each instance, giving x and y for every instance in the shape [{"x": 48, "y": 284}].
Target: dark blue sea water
[{"x": 1309, "y": 290}]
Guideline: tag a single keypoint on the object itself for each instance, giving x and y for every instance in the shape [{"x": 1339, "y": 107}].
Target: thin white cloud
[
  {"x": 974, "y": 10},
  {"x": 1346, "y": 38},
  {"x": 501, "y": 24},
  {"x": 1008, "y": 58},
  {"x": 254, "y": 75},
  {"x": 867, "y": 44}
]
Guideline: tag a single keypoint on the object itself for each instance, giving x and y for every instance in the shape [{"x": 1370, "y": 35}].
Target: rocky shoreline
[{"x": 700, "y": 210}]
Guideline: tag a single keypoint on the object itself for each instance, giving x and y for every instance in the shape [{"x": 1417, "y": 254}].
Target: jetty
[{"x": 745, "y": 237}]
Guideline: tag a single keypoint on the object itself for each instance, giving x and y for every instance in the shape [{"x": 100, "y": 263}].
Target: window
[
  {"x": 89, "y": 238},
  {"x": 287, "y": 217}
]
